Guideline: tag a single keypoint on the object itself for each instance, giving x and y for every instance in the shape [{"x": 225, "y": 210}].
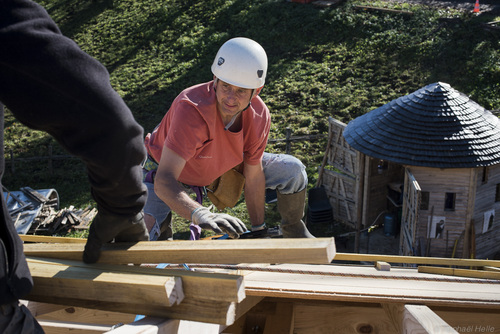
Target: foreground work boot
[{"x": 291, "y": 209}]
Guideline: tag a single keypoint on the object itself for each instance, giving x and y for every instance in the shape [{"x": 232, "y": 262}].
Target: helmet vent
[
  {"x": 221, "y": 61},
  {"x": 260, "y": 73}
]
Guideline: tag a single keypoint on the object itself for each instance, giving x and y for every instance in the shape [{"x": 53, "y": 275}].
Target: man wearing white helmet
[{"x": 209, "y": 129}]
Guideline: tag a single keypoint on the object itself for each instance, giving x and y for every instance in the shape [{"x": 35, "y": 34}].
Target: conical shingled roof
[{"x": 436, "y": 126}]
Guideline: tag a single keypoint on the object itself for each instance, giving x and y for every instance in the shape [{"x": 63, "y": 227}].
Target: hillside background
[{"x": 340, "y": 61}]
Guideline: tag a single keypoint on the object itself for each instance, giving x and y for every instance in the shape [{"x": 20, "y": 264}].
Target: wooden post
[
  {"x": 360, "y": 198},
  {"x": 421, "y": 319}
]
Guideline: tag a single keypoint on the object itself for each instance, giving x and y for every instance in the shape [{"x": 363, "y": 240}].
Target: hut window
[
  {"x": 485, "y": 174},
  {"x": 424, "y": 200},
  {"x": 449, "y": 201},
  {"x": 497, "y": 193}
]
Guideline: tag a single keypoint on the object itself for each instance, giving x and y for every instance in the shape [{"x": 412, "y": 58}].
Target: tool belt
[
  {"x": 150, "y": 166},
  {"x": 226, "y": 190}
]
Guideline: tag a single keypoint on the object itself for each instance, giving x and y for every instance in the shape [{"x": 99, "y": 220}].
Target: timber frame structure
[
  {"x": 427, "y": 163},
  {"x": 309, "y": 289}
]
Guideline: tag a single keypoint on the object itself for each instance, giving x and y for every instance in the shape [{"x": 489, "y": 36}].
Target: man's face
[{"x": 231, "y": 99}]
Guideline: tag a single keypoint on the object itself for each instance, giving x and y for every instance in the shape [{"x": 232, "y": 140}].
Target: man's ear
[{"x": 257, "y": 91}]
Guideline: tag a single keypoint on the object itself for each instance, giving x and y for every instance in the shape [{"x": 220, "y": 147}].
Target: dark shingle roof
[{"x": 435, "y": 126}]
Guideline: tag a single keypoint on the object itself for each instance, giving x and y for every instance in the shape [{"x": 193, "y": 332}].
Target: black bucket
[{"x": 390, "y": 224}]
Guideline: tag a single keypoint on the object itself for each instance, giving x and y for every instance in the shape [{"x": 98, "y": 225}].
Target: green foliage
[{"x": 338, "y": 61}]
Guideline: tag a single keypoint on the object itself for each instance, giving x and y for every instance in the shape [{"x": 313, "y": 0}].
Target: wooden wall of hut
[
  {"x": 444, "y": 211},
  {"x": 486, "y": 219}
]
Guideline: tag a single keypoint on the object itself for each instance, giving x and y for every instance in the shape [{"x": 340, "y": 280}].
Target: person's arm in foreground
[{"x": 50, "y": 84}]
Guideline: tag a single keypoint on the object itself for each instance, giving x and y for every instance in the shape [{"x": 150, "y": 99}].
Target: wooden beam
[
  {"x": 200, "y": 310},
  {"x": 195, "y": 284},
  {"x": 394, "y": 312},
  {"x": 368, "y": 285},
  {"x": 470, "y": 320},
  {"x": 49, "y": 239},
  {"x": 41, "y": 311},
  {"x": 282, "y": 321},
  {"x": 494, "y": 269},
  {"x": 93, "y": 284},
  {"x": 460, "y": 272},
  {"x": 312, "y": 251},
  {"x": 415, "y": 260},
  {"x": 421, "y": 319}
]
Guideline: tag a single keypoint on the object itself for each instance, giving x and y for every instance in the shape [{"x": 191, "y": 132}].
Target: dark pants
[{"x": 15, "y": 318}]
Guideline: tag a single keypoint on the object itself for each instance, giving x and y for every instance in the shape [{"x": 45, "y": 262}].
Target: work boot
[
  {"x": 291, "y": 209},
  {"x": 166, "y": 229}
]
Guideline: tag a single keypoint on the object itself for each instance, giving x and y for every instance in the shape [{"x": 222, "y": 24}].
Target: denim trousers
[{"x": 284, "y": 173}]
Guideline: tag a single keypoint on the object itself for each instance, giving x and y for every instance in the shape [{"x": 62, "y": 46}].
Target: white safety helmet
[{"x": 241, "y": 62}]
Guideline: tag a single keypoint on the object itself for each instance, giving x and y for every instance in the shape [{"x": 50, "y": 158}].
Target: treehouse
[{"x": 425, "y": 165}]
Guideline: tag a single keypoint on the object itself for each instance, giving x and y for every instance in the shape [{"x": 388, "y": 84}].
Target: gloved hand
[
  {"x": 105, "y": 227},
  {"x": 218, "y": 222}
]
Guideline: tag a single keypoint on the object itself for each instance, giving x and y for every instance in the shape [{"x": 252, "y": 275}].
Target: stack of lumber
[
  {"x": 259, "y": 286},
  {"x": 115, "y": 285}
]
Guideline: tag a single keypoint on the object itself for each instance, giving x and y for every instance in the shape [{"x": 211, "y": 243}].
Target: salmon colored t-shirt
[{"x": 193, "y": 128}]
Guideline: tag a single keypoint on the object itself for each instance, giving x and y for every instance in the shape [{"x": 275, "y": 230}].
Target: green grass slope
[{"x": 338, "y": 61}]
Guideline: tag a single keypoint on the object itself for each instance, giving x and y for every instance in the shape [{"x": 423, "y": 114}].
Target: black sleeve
[{"x": 50, "y": 84}]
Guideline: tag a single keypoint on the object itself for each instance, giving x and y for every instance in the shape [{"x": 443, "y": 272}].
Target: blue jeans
[{"x": 283, "y": 173}]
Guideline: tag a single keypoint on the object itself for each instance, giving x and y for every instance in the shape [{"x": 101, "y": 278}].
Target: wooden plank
[
  {"x": 346, "y": 318},
  {"x": 394, "y": 312},
  {"x": 420, "y": 319},
  {"x": 209, "y": 286},
  {"x": 53, "y": 312},
  {"x": 49, "y": 239},
  {"x": 495, "y": 269},
  {"x": 93, "y": 284},
  {"x": 40, "y": 309},
  {"x": 460, "y": 272},
  {"x": 150, "y": 325},
  {"x": 469, "y": 320},
  {"x": 200, "y": 310},
  {"x": 313, "y": 251},
  {"x": 282, "y": 321},
  {"x": 416, "y": 260},
  {"x": 366, "y": 284}
]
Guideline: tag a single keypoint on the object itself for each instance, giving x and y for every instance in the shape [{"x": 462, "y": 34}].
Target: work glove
[
  {"x": 108, "y": 227},
  {"x": 218, "y": 222}
]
